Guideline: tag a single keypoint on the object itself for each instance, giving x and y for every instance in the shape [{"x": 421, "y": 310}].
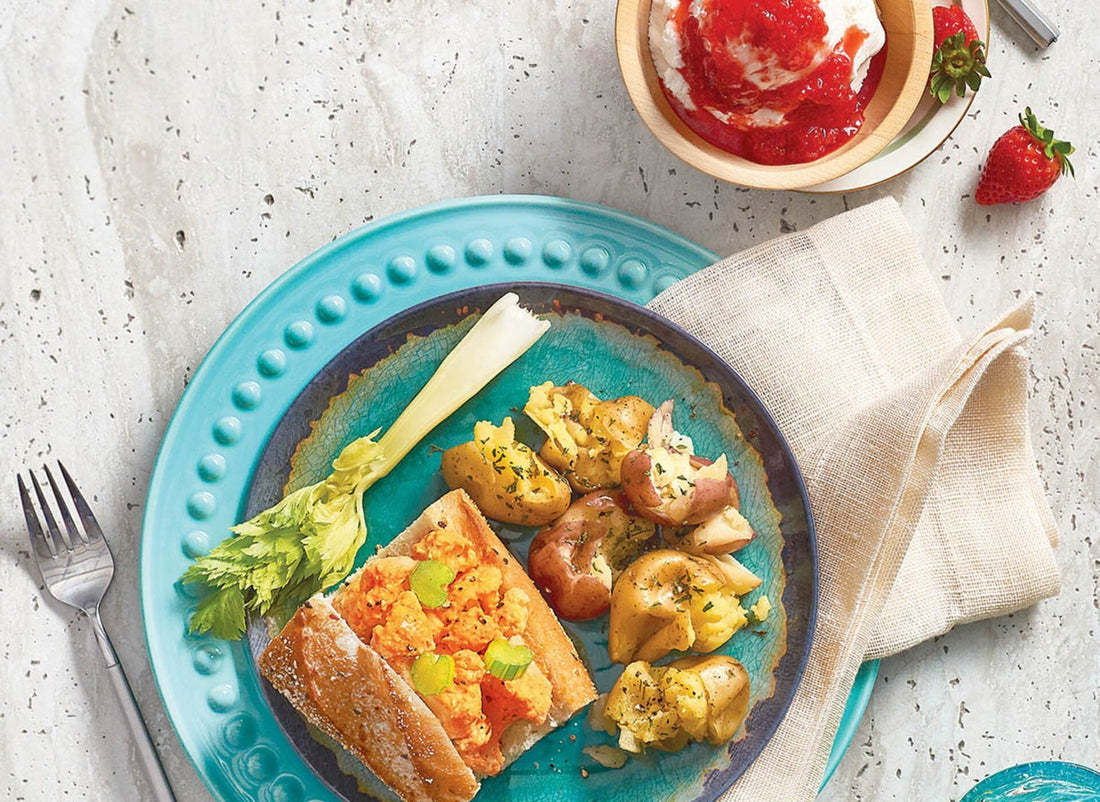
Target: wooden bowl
[{"x": 908, "y": 25}]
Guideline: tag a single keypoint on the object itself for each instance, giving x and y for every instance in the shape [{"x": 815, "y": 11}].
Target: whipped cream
[
  {"x": 665, "y": 47},
  {"x": 841, "y": 15},
  {"x": 762, "y": 66}
]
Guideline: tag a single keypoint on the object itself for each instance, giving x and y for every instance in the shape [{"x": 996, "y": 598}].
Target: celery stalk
[
  {"x": 503, "y": 334},
  {"x": 308, "y": 541}
]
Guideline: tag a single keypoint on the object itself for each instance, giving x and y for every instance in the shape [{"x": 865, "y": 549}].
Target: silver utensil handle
[
  {"x": 147, "y": 753},
  {"x": 1029, "y": 17}
]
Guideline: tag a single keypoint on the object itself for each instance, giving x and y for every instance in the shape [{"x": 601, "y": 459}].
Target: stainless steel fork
[{"x": 77, "y": 567}]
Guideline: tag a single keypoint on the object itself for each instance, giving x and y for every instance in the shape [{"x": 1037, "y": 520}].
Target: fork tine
[
  {"x": 59, "y": 537},
  {"x": 75, "y": 535},
  {"x": 43, "y": 545},
  {"x": 91, "y": 525}
]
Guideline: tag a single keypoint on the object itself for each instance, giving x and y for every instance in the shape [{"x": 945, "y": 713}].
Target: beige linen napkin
[{"x": 914, "y": 445}]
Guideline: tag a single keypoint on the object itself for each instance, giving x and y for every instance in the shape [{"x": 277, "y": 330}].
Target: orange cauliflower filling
[{"x": 477, "y": 707}]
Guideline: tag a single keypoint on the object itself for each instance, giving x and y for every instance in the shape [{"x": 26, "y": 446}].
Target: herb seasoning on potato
[
  {"x": 669, "y": 600},
  {"x": 586, "y": 438},
  {"x": 575, "y": 560},
  {"x": 650, "y": 539},
  {"x": 665, "y": 707},
  {"x": 506, "y": 479}
]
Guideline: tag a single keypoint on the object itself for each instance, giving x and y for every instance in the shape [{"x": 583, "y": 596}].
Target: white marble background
[{"x": 161, "y": 162}]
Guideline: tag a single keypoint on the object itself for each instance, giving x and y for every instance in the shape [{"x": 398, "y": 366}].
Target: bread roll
[{"x": 348, "y": 690}]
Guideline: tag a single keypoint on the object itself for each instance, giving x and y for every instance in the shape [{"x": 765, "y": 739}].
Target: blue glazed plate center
[{"x": 614, "y": 349}]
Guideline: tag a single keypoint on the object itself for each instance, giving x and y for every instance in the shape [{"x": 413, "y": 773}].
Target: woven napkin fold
[{"x": 914, "y": 445}]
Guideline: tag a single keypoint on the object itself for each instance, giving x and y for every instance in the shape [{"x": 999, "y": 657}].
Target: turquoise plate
[
  {"x": 1042, "y": 781},
  {"x": 261, "y": 364},
  {"x": 612, "y": 347}
]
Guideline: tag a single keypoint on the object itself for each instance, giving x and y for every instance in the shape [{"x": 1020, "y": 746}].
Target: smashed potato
[
  {"x": 720, "y": 534},
  {"x": 575, "y": 560},
  {"x": 671, "y": 600},
  {"x": 739, "y": 579},
  {"x": 670, "y": 484},
  {"x": 691, "y": 699},
  {"x": 506, "y": 479},
  {"x": 586, "y": 438}
]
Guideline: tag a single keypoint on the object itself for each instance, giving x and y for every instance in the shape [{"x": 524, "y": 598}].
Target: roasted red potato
[
  {"x": 575, "y": 560},
  {"x": 668, "y": 484}
]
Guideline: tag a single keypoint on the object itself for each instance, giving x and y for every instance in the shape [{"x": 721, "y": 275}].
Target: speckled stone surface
[{"x": 162, "y": 162}]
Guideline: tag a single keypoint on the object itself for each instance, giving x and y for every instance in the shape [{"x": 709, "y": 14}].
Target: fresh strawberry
[
  {"x": 950, "y": 20},
  {"x": 959, "y": 58},
  {"x": 1023, "y": 163}
]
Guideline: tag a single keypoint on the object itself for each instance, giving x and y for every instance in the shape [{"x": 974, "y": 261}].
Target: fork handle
[
  {"x": 147, "y": 753},
  {"x": 1033, "y": 20}
]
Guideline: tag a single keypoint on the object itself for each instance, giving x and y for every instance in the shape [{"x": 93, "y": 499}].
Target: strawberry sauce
[{"x": 764, "y": 82}]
